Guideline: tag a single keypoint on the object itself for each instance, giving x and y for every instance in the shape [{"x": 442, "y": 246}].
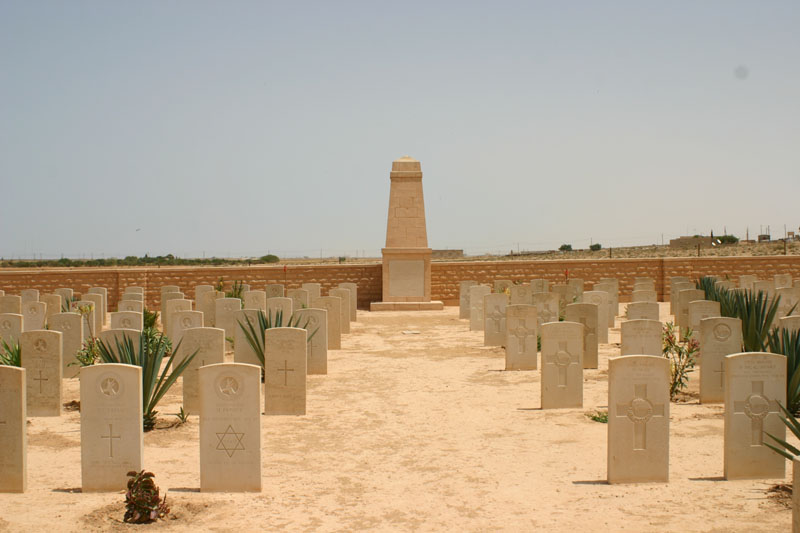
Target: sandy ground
[{"x": 414, "y": 432}]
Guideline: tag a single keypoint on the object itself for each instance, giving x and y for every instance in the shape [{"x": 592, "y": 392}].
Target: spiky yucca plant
[
  {"x": 787, "y": 342},
  {"x": 755, "y": 309},
  {"x": 780, "y": 445},
  {"x": 10, "y": 354},
  {"x": 149, "y": 356},
  {"x": 254, "y": 333}
]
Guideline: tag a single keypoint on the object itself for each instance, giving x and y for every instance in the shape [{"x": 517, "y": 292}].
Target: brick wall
[
  {"x": 367, "y": 277},
  {"x": 444, "y": 275}
]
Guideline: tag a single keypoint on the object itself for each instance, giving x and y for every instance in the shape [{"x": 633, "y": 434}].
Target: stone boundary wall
[
  {"x": 367, "y": 277},
  {"x": 445, "y": 276}
]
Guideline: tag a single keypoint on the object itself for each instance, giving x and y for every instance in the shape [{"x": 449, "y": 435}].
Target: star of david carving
[{"x": 230, "y": 441}]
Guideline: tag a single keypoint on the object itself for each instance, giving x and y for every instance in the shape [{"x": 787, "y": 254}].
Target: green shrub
[
  {"x": 787, "y": 342},
  {"x": 728, "y": 239},
  {"x": 269, "y": 258},
  {"x": 565, "y": 248},
  {"x": 254, "y": 333},
  {"x": 10, "y": 354},
  {"x": 142, "y": 501},
  {"x": 595, "y": 247},
  {"x": 149, "y": 354}
]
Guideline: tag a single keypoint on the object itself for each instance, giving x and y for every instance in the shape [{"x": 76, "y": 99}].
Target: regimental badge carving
[
  {"x": 6, "y": 325},
  {"x": 110, "y": 385},
  {"x": 186, "y": 322},
  {"x": 33, "y": 310},
  {"x": 228, "y": 387},
  {"x": 722, "y": 332},
  {"x": 40, "y": 345},
  {"x": 126, "y": 323}
]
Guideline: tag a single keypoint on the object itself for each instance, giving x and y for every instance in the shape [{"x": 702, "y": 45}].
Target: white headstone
[
  {"x": 353, "y": 288},
  {"x": 463, "y": 298},
  {"x": 255, "y": 300},
  {"x": 494, "y": 319},
  {"x": 41, "y": 357},
  {"x": 230, "y": 428},
  {"x": 344, "y": 294},
  {"x": 285, "y": 364},
  {"x": 314, "y": 321},
  {"x": 10, "y": 327},
  {"x": 71, "y": 327},
  {"x": 755, "y": 383},
  {"x": 521, "y": 337},
  {"x": 111, "y": 426},
  {"x": 588, "y": 315},
  {"x": 562, "y": 365},
  {"x": 641, "y": 337},
  {"x": 600, "y": 299},
  {"x": 333, "y": 307},
  {"x": 209, "y": 346},
  {"x": 476, "y": 294},
  {"x": 642, "y": 310},
  {"x": 127, "y": 320},
  {"x": 34, "y": 313},
  {"x": 638, "y": 419},
  {"x": 719, "y": 337},
  {"x": 13, "y": 430}
]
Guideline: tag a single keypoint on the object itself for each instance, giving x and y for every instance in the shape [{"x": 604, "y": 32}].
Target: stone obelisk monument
[{"x": 406, "y": 257}]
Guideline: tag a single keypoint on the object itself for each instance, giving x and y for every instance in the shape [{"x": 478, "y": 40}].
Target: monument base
[{"x": 406, "y": 306}]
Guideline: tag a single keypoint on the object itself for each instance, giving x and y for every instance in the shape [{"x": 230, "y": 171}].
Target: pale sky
[{"x": 241, "y": 128}]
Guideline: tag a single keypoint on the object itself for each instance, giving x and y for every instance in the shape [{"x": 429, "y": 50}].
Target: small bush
[
  {"x": 728, "y": 239},
  {"x": 143, "y": 504},
  {"x": 599, "y": 416},
  {"x": 565, "y": 248},
  {"x": 595, "y": 247},
  {"x": 681, "y": 353},
  {"x": 269, "y": 258}
]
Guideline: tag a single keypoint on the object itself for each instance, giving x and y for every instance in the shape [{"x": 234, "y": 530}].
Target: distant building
[
  {"x": 691, "y": 242},
  {"x": 447, "y": 254}
]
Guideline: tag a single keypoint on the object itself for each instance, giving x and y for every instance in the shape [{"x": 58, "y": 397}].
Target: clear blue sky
[{"x": 237, "y": 128}]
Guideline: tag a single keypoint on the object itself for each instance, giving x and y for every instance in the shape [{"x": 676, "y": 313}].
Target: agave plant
[
  {"x": 254, "y": 333},
  {"x": 755, "y": 309},
  {"x": 66, "y": 304},
  {"x": 10, "y": 354},
  {"x": 149, "y": 356},
  {"x": 757, "y": 313},
  {"x": 787, "y": 342},
  {"x": 781, "y": 446}
]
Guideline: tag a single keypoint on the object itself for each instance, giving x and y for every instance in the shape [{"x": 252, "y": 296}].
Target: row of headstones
[
  {"x": 563, "y": 361},
  {"x": 638, "y": 417},
  {"x": 284, "y": 387},
  {"x": 112, "y": 442}
]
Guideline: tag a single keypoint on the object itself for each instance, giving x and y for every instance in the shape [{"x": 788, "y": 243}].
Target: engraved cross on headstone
[
  {"x": 110, "y": 438},
  {"x": 496, "y": 317},
  {"x": 640, "y": 411},
  {"x": 285, "y": 371},
  {"x": 562, "y": 359},
  {"x": 721, "y": 373},
  {"x": 756, "y": 407},
  {"x": 521, "y": 334},
  {"x": 40, "y": 379}
]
